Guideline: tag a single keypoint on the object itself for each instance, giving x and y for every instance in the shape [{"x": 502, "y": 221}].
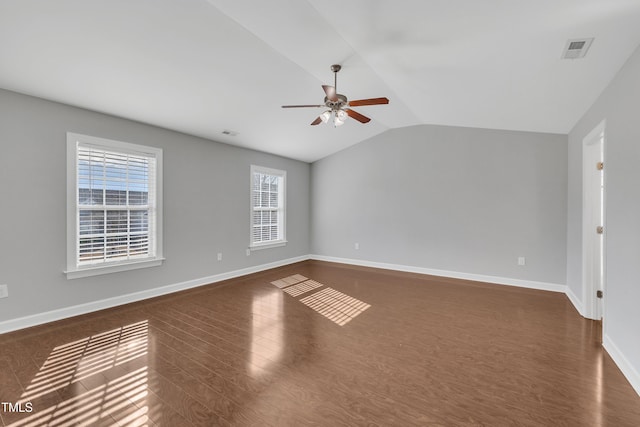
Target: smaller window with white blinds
[
  {"x": 267, "y": 207},
  {"x": 114, "y": 218}
]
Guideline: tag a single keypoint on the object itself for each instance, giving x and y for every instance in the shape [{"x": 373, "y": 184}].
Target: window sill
[
  {"x": 277, "y": 244},
  {"x": 96, "y": 270}
]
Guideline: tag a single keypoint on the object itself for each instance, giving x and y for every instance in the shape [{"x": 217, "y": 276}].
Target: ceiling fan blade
[
  {"x": 359, "y": 117},
  {"x": 301, "y": 106},
  {"x": 317, "y": 121},
  {"x": 370, "y": 101},
  {"x": 331, "y": 92}
]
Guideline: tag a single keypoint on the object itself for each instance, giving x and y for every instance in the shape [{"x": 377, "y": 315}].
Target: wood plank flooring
[{"x": 366, "y": 347}]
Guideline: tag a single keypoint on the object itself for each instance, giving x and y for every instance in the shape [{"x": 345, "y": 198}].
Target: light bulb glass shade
[
  {"x": 325, "y": 116},
  {"x": 339, "y": 118}
]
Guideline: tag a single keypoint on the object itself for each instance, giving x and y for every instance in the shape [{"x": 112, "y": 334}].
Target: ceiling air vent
[{"x": 576, "y": 48}]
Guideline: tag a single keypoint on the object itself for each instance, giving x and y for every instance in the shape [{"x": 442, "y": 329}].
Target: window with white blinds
[
  {"x": 267, "y": 207},
  {"x": 115, "y": 211}
]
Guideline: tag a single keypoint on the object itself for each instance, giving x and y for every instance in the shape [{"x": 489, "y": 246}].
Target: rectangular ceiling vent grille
[{"x": 576, "y": 48}]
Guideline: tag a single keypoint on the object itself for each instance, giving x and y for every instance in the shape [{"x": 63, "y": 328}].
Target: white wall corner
[
  {"x": 575, "y": 301},
  {"x": 628, "y": 370}
]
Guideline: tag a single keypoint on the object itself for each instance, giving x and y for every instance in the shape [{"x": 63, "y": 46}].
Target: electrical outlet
[
  {"x": 219, "y": 256},
  {"x": 4, "y": 291},
  {"x": 521, "y": 260},
  {"x": 356, "y": 246},
  {"x": 248, "y": 252}
]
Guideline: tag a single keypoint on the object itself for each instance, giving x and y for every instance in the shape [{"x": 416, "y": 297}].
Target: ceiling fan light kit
[
  {"x": 339, "y": 118},
  {"x": 325, "y": 116},
  {"x": 337, "y": 104}
]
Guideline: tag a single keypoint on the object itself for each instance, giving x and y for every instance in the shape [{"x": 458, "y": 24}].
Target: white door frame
[{"x": 592, "y": 149}]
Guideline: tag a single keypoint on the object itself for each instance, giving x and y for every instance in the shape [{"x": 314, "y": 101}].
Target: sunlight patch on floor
[
  {"x": 72, "y": 362},
  {"x": 122, "y": 398},
  {"x": 302, "y": 288},
  {"x": 97, "y": 405},
  {"x": 288, "y": 281},
  {"x": 334, "y": 305}
]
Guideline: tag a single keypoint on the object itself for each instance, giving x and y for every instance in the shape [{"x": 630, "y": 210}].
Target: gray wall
[
  {"x": 619, "y": 105},
  {"x": 206, "y": 206},
  {"x": 456, "y": 199}
]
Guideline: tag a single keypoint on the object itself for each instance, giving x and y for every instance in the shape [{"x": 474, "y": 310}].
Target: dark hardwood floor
[{"x": 326, "y": 345}]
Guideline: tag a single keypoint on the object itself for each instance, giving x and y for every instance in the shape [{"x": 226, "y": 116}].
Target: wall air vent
[{"x": 576, "y": 48}]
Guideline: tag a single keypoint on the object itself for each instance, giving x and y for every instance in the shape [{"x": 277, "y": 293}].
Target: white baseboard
[
  {"x": 625, "y": 366},
  {"x": 575, "y": 301},
  {"x": 554, "y": 287},
  {"x": 76, "y": 310}
]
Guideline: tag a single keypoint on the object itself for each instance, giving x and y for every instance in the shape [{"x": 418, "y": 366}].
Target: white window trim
[
  {"x": 274, "y": 243},
  {"x": 73, "y": 270}
]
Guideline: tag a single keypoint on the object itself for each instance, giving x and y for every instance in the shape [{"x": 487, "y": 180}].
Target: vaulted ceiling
[{"x": 206, "y": 66}]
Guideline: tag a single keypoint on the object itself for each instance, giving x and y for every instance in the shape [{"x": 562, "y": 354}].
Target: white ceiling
[{"x": 203, "y": 66}]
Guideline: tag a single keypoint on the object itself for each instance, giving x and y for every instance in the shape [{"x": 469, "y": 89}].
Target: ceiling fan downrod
[{"x": 335, "y": 68}]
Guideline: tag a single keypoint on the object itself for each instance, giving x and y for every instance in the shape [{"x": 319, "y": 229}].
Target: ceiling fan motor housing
[{"x": 336, "y": 105}]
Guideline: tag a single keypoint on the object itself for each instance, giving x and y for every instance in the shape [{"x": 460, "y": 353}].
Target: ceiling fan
[{"x": 337, "y": 104}]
